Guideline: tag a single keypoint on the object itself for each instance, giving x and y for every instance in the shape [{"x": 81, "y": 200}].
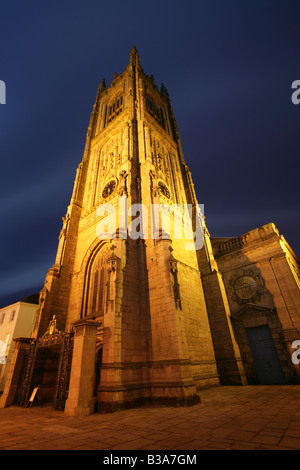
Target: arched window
[
  {"x": 114, "y": 109},
  {"x": 155, "y": 110},
  {"x": 96, "y": 290}
]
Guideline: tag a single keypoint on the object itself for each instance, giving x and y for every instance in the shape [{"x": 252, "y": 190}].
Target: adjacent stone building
[
  {"x": 135, "y": 312},
  {"x": 262, "y": 279},
  {"x": 16, "y": 319}
]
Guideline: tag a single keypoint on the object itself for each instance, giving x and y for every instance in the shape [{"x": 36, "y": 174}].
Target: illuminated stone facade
[
  {"x": 262, "y": 278},
  {"x": 153, "y": 320}
]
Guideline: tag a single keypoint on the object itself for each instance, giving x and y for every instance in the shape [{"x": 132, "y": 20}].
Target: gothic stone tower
[{"x": 137, "y": 303}]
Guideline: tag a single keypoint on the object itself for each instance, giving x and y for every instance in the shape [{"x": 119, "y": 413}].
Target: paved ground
[{"x": 261, "y": 417}]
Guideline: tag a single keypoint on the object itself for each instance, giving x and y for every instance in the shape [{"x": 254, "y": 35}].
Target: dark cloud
[{"x": 228, "y": 67}]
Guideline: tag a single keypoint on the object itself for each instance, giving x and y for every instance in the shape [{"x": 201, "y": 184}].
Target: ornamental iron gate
[{"x": 47, "y": 363}]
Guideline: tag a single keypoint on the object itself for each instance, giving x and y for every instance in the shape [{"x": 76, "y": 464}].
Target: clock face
[
  {"x": 109, "y": 188},
  {"x": 162, "y": 188},
  {"x": 245, "y": 287}
]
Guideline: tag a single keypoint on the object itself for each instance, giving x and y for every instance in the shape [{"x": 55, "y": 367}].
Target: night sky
[{"x": 228, "y": 67}]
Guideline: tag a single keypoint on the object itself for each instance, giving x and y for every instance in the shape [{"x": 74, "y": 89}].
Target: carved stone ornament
[
  {"x": 66, "y": 219},
  {"x": 54, "y": 271},
  {"x": 112, "y": 260},
  {"x": 63, "y": 231},
  {"x": 122, "y": 184},
  {"x": 172, "y": 262},
  {"x": 174, "y": 279},
  {"x": 153, "y": 184},
  {"x": 246, "y": 287},
  {"x": 52, "y": 326},
  {"x": 163, "y": 190},
  {"x": 52, "y": 333}
]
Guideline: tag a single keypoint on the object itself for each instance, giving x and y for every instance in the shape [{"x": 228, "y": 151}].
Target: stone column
[
  {"x": 13, "y": 376},
  {"x": 81, "y": 399}
]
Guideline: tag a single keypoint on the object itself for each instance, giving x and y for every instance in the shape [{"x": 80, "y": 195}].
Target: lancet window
[{"x": 114, "y": 109}]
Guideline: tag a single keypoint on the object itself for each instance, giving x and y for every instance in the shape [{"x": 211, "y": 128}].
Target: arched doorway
[
  {"x": 259, "y": 335},
  {"x": 264, "y": 355}
]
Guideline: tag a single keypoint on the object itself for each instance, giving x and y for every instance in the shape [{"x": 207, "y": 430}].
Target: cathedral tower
[
  {"x": 118, "y": 273},
  {"x": 141, "y": 304}
]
